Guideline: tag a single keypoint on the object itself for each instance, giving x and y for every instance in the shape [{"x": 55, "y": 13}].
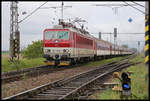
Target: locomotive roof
[{"x": 85, "y": 34}]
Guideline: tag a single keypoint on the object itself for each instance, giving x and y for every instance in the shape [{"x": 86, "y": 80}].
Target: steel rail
[
  {"x": 30, "y": 72},
  {"x": 49, "y": 85},
  {"x": 84, "y": 86},
  {"x": 29, "y": 93},
  {"x": 6, "y": 74}
]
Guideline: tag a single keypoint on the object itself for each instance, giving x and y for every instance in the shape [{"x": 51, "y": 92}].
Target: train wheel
[{"x": 73, "y": 62}]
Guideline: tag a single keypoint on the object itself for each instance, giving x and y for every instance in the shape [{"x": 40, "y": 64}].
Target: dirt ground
[{"x": 29, "y": 83}]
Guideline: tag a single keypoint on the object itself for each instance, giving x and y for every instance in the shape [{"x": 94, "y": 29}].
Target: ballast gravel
[{"x": 32, "y": 82}]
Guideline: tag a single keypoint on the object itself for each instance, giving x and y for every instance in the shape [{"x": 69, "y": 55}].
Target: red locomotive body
[
  {"x": 64, "y": 45},
  {"x": 54, "y": 38}
]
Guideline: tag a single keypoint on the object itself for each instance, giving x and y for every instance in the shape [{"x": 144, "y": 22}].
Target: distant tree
[
  {"x": 134, "y": 49},
  {"x": 22, "y": 49},
  {"x": 34, "y": 50},
  {"x": 125, "y": 46}
]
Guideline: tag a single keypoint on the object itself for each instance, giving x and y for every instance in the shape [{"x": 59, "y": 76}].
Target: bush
[{"x": 34, "y": 50}]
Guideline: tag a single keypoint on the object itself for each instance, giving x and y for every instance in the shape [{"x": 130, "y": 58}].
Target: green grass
[
  {"x": 139, "y": 58},
  {"x": 26, "y": 63},
  {"x": 23, "y": 63},
  {"x": 4, "y": 52},
  {"x": 102, "y": 62},
  {"x": 139, "y": 86}
]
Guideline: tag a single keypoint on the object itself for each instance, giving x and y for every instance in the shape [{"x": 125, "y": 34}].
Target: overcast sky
[{"x": 99, "y": 19}]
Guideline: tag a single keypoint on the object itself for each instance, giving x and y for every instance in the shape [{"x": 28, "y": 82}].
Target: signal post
[
  {"x": 147, "y": 33},
  {"x": 147, "y": 39}
]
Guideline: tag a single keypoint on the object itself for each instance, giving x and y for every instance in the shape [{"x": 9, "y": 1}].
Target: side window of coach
[{"x": 71, "y": 35}]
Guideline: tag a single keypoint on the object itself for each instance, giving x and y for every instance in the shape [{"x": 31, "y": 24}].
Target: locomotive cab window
[
  {"x": 50, "y": 35},
  {"x": 62, "y": 35}
]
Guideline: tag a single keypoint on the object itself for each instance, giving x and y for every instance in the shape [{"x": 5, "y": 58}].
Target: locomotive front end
[{"x": 57, "y": 47}]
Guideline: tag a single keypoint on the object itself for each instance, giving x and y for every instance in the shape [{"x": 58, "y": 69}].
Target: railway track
[
  {"x": 30, "y": 72},
  {"x": 74, "y": 86}
]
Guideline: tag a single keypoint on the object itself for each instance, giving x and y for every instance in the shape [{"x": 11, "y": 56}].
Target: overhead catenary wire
[
  {"x": 111, "y": 5},
  {"x": 138, "y": 4},
  {"x": 32, "y": 12},
  {"x": 62, "y": 7},
  {"x": 134, "y": 7},
  {"x": 108, "y": 5},
  {"x": 131, "y": 33}
]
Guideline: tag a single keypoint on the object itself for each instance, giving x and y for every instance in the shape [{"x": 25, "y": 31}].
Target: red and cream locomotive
[{"x": 65, "y": 44}]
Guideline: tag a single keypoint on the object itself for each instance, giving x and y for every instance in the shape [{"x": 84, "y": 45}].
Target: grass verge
[
  {"x": 23, "y": 63},
  {"x": 139, "y": 86},
  {"x": 26, "y": 63},
  {"x": 105, "y": 61}
]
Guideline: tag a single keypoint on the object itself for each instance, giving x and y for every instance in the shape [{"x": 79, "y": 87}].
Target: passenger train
[{"x": 66, "y": 44}]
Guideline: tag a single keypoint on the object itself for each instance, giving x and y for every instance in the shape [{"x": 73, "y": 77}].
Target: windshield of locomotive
[
  {"x": 56, "y": 35},
  {"x": 50, "y": 35},
  {"x": 62, "y": 35}
]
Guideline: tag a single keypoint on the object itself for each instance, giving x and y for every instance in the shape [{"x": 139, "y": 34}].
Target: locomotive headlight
[
  {"x": 56, "y": 41},
  {"x": 64, "y": 50},
  {"x": 67, "y": 50},
  {"x": 48, "y": 50}
]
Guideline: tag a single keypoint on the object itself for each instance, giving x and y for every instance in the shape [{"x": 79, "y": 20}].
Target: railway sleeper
[
  {"x": 52, "y": 94},
  {"x": 57, "y": 93},
  {"x": 43, "y": 97},
  {"x": 57, "y": 90},
  {"x": 81, "y": 89}
]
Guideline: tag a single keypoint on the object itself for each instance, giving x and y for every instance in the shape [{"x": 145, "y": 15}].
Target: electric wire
[
  {"x": 134, "y": 7},
  {"x": 138, "y": 4},
  {"x": 108, "y": 5},
  {"x": 32, "y": 12}
]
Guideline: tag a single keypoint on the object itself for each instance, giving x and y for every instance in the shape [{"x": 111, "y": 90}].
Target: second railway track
[
  {"x": 74, "y": 86},
  {"x": 30, "y": 72}
]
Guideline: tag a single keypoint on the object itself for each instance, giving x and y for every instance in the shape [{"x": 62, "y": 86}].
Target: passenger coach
[{"x": 65, "y": 44}]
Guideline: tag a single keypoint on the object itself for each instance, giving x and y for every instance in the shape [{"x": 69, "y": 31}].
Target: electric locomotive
[{"x": 66, "y": 44}]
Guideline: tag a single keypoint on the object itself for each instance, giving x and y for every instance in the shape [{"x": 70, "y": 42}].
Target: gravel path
[{"x": 29, "y": 83}]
